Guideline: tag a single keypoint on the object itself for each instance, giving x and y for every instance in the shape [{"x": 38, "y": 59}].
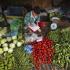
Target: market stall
[{"x": 47, "y": 48}]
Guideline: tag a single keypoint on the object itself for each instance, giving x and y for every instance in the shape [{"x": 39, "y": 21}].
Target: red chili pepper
[{"x": 42, "y": 52}]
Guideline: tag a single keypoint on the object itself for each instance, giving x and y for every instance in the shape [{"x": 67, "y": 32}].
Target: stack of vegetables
[
  {"x": 12, "y": 55},
  {"x": 14, "y": 58},
  {"x": 62, "y": 47}
]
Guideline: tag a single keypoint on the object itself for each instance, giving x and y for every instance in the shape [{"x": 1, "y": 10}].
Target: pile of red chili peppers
[{"x": 42, "y": 52}]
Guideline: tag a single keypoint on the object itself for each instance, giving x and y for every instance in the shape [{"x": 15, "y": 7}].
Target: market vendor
[
  {"x": 32, "y": 16},
  {"x": 31, "y": 19}
]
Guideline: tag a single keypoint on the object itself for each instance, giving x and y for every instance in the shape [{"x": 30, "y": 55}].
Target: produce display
[
  {"x": 62, "y": 47},
  {"x": 42, "y": 52},
  {"x": 14, "y": 55}
]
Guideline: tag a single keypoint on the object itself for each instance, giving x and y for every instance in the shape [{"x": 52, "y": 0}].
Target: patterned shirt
[{"x": 29, "y": 19}]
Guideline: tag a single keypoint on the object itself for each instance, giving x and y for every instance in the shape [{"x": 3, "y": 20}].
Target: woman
[{"x": 32, "y": 16}]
